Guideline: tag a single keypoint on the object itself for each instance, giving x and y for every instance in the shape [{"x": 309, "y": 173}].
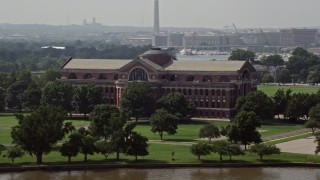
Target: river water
[{"x": 174, "y": 174}]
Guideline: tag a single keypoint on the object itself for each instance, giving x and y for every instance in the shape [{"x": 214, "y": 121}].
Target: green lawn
[
  {"x": 161, "y": 153},
  {"x": 270, "y": 90},
  {"x": 189, "y": 132}
]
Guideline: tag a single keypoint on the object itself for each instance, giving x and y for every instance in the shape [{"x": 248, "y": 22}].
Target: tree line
[
  {"x": 109, "y": 130},
  {"x": 32, "y": 57},
  {"x": 302, "y": 66}
]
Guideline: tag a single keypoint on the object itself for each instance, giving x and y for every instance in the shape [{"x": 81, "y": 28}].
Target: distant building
[
  {"x": 138, "y": 41},
  {"x": 213, "y": 86},
  {"x": 160, "y": 40},
  {"x": 290, "y": 37}
]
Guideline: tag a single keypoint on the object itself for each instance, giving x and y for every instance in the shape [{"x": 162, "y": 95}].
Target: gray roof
[
  {"x": 110, "y": 64},
  {"x": 115, "y": 64},
  {"x": 205, "y": 66}
]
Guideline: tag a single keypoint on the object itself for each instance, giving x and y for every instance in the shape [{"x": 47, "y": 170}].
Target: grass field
[
  {"x": 161, "y": 153},
  {"x": 158, "y": 153},
  {"x": 270, "y": 90},
  {"x": 187, "y": 132}
]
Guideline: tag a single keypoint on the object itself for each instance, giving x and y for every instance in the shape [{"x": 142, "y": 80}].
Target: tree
[
  {"x": 162, "y": 121},
  {"x": 105, "y": 148},
  {"x": 57, "y": 93},
  {"x": 38, "y": 132},
  {"x": 138, "y": 99},
  {"x": 87, "y": 143},
  {"x": 15, "y": 93},
  {"x": 317, "y": 140},
  {"x": 257, "y": 102},
  {"x": 242, "y": 55},
  {"x": 219, "y": 147},
  {"x": 301, "y": 62},
  {"x": 120, "y": 133},
  {"x": 86, "y": 97},
  {"x": 299, "y": 105},
  {"x": 31, "y": 98},
  {"x": 244, "y": 129},
  {"x": 200, "y": 149},
  {"x": 234, "y": 150},
  {"x": 14, "y": 152},
  {"x": 267, "y": 78},
  {"x": 2, "y": 99},
  {"x": 209, "y": 131},
  {"x": 313, "y": 77},
  {"x": 314, "y": 113},
  {"x": 281, "y": 99},
  {"x": 137, "y": 145},
  {"x": 51, "y": 75},
  {"x": 312, "y": 124},
  {"x": 177, "y": 104},
  {"x": 272, "y": 60},
  {"x": 264, "y": 150},
  {"x": 70, "y": 149},
  {"x": 283, "y": 76},
  {"x": 101, "y": 120}
]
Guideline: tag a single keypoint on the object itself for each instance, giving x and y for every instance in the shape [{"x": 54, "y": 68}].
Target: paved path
[
  {"x": 301, "y": 146},
  {"x": 287, "y": 134}
]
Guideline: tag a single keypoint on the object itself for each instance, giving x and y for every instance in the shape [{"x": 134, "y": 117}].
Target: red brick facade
[{"x": 213, "y": 92}]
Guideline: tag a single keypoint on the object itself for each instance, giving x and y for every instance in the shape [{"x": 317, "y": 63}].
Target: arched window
[
  {"x": 72, "y": 76},
  {"x": 245, "y": 75},
  {"x": 224, "y": 79},
  {"x": 87, "y": 76},
  {"x": 190, "y": 78},
  {"x": 207, "y": 79},
  {"x": 138, "y": 74},
  {"x": 103, "y": 76},
  {"x": 174, "y": 77},
  {"x": 115, "y": 77}
]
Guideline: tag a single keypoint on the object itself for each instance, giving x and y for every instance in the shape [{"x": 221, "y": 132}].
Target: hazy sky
[{"x": 173, "y": 13}]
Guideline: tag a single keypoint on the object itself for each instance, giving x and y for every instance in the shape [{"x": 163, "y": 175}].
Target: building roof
[
  {"x": 205, "y": 66},
  {"x": 110, "y": 64},
  {"x": 115, "y": 64}
]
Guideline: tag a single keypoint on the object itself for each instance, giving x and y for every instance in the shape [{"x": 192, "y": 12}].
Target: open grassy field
[
  {"x": 161, "y": 151},
  {"x": 187, "y": 132},
  {"x": 270, "y": 90}
]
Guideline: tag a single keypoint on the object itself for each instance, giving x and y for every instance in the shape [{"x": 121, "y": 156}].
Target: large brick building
[{"x": 213, "y": 86}]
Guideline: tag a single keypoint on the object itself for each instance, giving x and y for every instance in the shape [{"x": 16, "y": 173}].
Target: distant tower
[
  {"x": 156, "y": 27},
  {"x": 93, "y": 20}
]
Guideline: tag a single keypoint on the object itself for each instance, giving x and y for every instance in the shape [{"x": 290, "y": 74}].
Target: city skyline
[{"x": 174, "y": 13}]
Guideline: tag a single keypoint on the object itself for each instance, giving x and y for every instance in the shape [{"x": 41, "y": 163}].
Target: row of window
[
  {"x": 213, "y": 114},
  {"x": 139, "y": 74},
  {"x": 200, "y": 92}
]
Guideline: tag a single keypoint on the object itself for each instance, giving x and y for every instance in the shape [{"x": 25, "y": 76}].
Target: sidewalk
[{"x": 287, "y": 134}]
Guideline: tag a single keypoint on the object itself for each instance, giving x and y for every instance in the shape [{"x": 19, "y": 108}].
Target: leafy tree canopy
[
  {"x": 138, "y": 98},
  {"x": 242, "y": 55},
  {"x": 177, "y": 104},
  {"x": 162, "y": 121},
  {"x": 38, "y": 132},
  {"x": 258, "y": 102}
]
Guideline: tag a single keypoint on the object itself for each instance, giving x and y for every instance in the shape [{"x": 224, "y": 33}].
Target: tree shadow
[
  {"x": 178, "y": 140},
  {"x": 191, "y": 122},
  {"x": 225, "y": 161}
]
